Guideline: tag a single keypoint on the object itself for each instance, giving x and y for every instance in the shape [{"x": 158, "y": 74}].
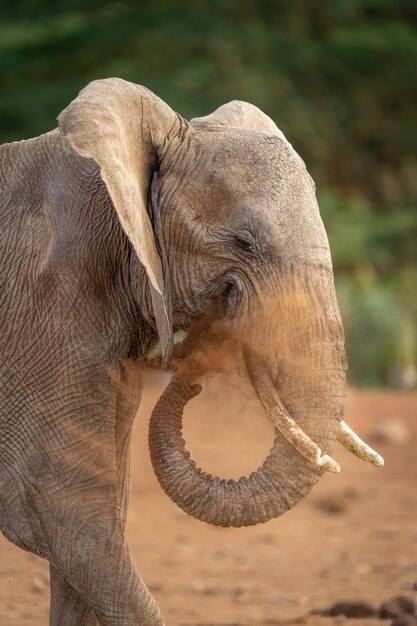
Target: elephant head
[{"x": 223, "y": 217}]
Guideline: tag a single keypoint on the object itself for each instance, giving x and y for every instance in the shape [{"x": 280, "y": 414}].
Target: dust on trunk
[{"x": 296, "y": 336}]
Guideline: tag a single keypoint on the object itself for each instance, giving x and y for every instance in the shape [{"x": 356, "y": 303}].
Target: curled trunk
[{"x": 265, "y": 494}]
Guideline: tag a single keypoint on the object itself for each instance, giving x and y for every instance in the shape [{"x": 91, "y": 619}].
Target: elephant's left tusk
[
  {"x": 359, "y": 448},
  {"x": 282, "y": 419}
]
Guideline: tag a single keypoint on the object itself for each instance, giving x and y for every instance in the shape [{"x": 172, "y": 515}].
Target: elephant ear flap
[
  {"x": 240, "y": 115},
  {"x": 122, "y": 126}
]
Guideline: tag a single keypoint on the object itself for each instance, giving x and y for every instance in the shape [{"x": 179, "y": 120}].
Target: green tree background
[{"x": 338, "y": 77}]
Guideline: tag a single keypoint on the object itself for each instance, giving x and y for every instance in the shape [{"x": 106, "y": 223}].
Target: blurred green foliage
[{"x": 338, "y": 77}]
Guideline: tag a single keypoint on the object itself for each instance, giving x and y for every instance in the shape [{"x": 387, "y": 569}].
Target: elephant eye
[{"x": 245, "y": 241}]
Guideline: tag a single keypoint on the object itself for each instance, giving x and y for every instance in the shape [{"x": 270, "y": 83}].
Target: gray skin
[{"x": 121, "y": 226}]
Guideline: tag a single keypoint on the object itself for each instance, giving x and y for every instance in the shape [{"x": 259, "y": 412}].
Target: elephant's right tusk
[
  {"x": 350, "y": 440},
  {"x": 282, "y": 419}
]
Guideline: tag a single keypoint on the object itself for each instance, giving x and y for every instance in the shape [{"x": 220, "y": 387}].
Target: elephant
[{"x": 119, "y": 228}]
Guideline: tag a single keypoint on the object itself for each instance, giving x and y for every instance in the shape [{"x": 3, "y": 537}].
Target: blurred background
[{"x": 337, "y": 76}]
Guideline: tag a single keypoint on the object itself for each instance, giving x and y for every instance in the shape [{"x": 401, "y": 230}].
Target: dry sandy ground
[{"x": 353, "y": 537}]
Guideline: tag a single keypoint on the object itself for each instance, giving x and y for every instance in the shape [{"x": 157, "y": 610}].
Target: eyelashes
[{"x": 245, "y": 241}]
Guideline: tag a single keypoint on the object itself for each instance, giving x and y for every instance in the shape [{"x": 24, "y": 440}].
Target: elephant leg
[
  {"x": 128, "y": 399},
  {"x": 67, "y": 607},
  {"x": 98, "y": 567}
]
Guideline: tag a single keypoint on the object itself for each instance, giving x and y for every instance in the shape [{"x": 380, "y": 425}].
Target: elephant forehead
[
  {"x": 247, "y": 165},
  {"x": 227, "y": 180}
]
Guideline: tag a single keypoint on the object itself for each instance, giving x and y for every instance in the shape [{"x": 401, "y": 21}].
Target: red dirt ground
[{"x": 353, "y": 537}]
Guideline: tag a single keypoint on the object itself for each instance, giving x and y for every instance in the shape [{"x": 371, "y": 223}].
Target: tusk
[
  {"x": 359, "y": 448},
  {"x": 282, "y": 419}
]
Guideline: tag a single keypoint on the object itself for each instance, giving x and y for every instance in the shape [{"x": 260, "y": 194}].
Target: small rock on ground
[
  {"x": 348, "y": 608},
  {"x": 397, "y": 607}
]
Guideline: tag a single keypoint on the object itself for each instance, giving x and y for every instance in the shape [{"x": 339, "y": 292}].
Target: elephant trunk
[
  {"x": 245, "y": 502},
  {"x": 305, "y": 332},
  {"x": 262, "y": 496}
]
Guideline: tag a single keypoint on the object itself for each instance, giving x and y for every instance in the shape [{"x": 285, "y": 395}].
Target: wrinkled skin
[{"x": 89, "y": 283}]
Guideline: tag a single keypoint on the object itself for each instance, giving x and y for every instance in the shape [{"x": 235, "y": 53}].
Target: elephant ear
[
  {"x": 240, "y": 115},
  {"x": 124, "y": 128}
]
